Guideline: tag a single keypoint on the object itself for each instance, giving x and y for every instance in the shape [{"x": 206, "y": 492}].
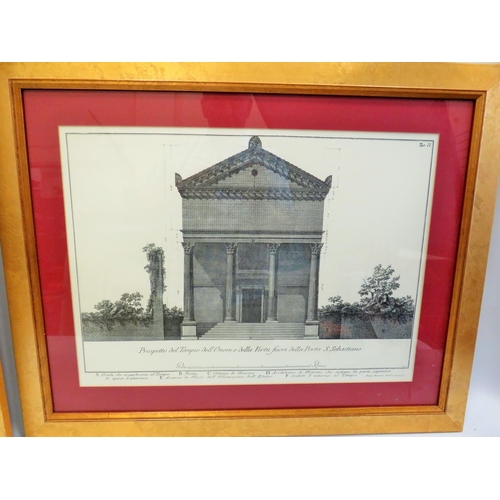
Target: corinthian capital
[
  {"x": 188, "y": 248},
  {"x": 273, "y": 248},
  {"x": 316, "y": 248},
  {"x": 231, "y": 247}
]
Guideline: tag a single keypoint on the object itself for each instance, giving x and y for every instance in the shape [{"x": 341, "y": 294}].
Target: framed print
[
  {"x": 259, "y": 249},
  {"x": 252, "y": 244}
]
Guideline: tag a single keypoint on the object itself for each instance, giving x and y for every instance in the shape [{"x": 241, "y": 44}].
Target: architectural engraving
[{"x": 256, "y": 222}]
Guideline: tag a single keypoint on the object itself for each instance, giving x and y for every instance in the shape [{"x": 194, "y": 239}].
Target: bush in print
[{"x": 376, "y": 302}]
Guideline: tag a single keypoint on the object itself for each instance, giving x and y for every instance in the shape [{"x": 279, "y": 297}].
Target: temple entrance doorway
[{"x": 252, "y": 305}]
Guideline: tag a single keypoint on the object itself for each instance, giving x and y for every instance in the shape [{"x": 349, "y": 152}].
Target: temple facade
[{"x": 252, "y": 228}]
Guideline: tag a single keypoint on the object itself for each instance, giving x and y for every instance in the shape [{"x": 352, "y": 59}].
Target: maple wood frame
[{"x": 478, "y": 83}]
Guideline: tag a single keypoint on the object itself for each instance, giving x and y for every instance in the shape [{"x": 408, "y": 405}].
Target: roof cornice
[{"x": 206, "y": 193}]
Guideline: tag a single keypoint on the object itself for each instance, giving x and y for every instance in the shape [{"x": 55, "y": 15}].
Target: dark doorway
[{"x": 251, "y": 305}]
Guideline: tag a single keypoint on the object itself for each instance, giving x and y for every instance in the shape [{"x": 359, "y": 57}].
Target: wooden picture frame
[
  {"x": 5, "y": 424},
  {"x": 476, "y": 84}
]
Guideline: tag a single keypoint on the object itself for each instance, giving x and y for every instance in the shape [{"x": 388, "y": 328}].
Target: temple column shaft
[
  {"x": 188, "y": 282},
  {"x": 230, "y": 288},
  {"x": 273, "y": 249},
  {"x": 312, "y": 303}
]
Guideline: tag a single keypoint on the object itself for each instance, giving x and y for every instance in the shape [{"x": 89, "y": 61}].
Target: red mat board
[{"x": 45, "y": 111}]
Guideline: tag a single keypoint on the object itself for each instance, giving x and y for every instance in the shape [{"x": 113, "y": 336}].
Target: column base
[
  {"x": 271, "y": 320},
  {"x": 311, "y": 331},
  {"x": 188, "y": 331}
]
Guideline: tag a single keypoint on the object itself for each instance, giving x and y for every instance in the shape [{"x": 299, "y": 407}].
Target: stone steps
[{"x": 255, "y": 331}]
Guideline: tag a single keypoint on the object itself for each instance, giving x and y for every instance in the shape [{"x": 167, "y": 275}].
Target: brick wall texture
[{"x": 252, "y": 215}]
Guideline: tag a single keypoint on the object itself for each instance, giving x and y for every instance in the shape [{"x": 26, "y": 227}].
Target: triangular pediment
[
  {"x": 251, "y": 172},
  {"x": 255, "y": 175}
]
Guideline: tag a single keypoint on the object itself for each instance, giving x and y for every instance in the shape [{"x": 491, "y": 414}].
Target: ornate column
[
  {"x": 273, "y": 249},
  {"x": 231, "y": 252},
  {"x": 189, "y": 323},
  {"x": 312, "y": 323},
  {"x": 239, "y": 304}
]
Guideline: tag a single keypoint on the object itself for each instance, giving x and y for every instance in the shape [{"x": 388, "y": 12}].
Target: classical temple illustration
[{"x": 252, "y": 228}]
